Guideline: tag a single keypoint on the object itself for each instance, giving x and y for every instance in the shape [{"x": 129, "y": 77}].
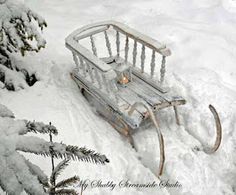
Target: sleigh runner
[{"x": 122, "y": 83}]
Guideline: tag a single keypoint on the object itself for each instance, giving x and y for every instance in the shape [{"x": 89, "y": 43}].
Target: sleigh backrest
[{"x": 119, "y": 41}]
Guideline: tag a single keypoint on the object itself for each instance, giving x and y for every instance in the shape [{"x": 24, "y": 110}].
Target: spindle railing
[
  {"x": 91, "y": 68},
  {"x": 94, "y": 75},
  {"x": 144, "y": 45},
  {"x": 108, "y": 44},
  {"x": 134, "y": 53}
]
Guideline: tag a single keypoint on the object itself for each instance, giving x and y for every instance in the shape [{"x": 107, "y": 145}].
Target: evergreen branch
[
  {"x": 39, "y": 127},
  {"x": 67, "y": 182},
  {"x": 74, "y": 155},
  {"x": 18, "y": 27},
  {"x": 35, "y": 170},
  {"x": 87, "y": 155},
  {"x": 27, "y": 177},
  {"x": 66, "y": 192},
  {"x": 30, "y": 183},
  {"x": 41, "y": 147},
  {"x": 58, "y": 169}
]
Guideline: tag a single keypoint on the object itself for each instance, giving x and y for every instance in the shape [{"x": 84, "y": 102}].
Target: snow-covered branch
[
  {"x": 17, "y": 29},
  {"x": 18, "y": 174},
  {"x": 39, "y": 146},
  {"x": 19, "y": 32}
]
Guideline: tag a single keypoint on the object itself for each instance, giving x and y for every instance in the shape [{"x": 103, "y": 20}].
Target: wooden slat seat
[{"x": 138, "y": 90}]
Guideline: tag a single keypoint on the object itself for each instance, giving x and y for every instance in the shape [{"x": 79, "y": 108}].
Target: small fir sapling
[
  {"x": 17, "y": 174},
  {"x": 61, "y": 187}
]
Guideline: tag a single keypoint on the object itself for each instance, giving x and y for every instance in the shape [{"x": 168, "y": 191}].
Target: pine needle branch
[
  {"x": 58, "y": 169},
  {"x": 87, "y": 155},
  {"x": 39, "y": 127},
  {"x": 67, "y": 182},
  {"x": 35, "y": 170},
  {"x": 64, "y": 151},
  {"x": 66, "y": 192}
]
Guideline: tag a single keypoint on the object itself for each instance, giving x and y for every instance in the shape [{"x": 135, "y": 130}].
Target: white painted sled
[{"x": 117, "y": 71}]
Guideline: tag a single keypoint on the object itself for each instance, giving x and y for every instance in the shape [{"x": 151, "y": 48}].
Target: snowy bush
[
  {"x": 18, "y": 174},
  {"x": 18, "y": 33}
]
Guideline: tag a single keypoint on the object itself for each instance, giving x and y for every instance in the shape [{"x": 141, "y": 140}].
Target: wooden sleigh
[{"x": 117, "y": 71}]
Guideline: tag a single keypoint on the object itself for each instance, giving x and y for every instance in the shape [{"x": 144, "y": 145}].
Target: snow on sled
[{"x": 121, "y": 73}]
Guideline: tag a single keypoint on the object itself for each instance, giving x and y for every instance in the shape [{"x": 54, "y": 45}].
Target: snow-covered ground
[{"x": 202, "y": 37}]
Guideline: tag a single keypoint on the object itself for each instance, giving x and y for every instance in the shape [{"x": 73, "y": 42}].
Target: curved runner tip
[{"x": 211, "y": 150}]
